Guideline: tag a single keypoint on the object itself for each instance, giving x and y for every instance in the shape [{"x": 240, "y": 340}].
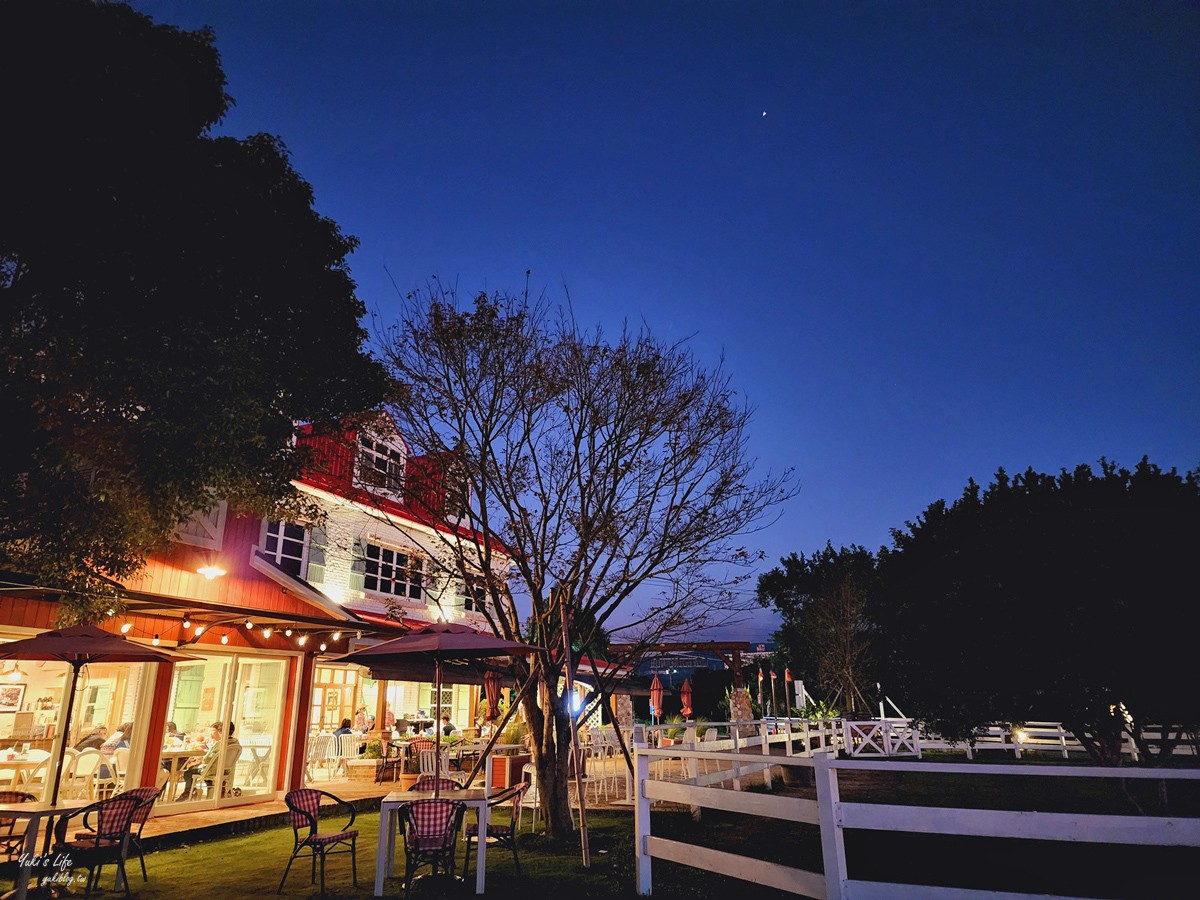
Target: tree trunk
[{"x": 550, "y": 745}]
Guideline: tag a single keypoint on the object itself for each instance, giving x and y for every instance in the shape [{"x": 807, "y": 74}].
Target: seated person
[
  {"x": 448, "y": 727},
  {"x": 204, "y": 769},
  {"x": 400, "y": 727},
  {"x": 345, "y": 729},
  {"x": 95, "y": 739},
  {"x": 119, "y": 740}
]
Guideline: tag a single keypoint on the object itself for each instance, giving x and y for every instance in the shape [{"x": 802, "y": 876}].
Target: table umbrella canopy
[
  {"x": 656, "y": 695},
  {"x": 685, "y": 699},
  {"x": 465, "y": 649},
  {"x": 78, "y": 646}
]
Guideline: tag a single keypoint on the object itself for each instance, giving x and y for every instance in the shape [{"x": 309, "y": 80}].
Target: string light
[
  {"x": 287, "y": 632},
  {"x": 323, "y": 647},
  {"x": 337, "y": 635},
  {"x": 266, "y": 632},
  {"x": 199, "y": 630},
  {"x": 225, "y": 638},
  {"x": 187, "y": 622},
  {"x": 249, "y": 625},
  {"x": 155, "y": 642},
  {"x": 125, "y": 628},
  {"x": 303, "y": 640}
]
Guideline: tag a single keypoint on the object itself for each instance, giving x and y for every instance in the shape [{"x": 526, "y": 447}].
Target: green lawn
[{"x": 251, "y": 864}]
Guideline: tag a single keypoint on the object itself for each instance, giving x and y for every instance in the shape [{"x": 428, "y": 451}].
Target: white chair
[
  {"x": 711, "y": 735},
  {"x": 346, "y": 747},
  {"x": 430, "y": 764},
  {"x": 320, "y": 753},
  {"x": 81, "y": 781}
]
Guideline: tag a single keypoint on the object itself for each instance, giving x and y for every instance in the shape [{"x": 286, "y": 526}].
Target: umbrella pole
[
  {"x": 66, "y": 732},
  {"x": 437, "y": 728}
]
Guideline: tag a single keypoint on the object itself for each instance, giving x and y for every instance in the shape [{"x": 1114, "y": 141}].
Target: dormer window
[{"x": 380, "y": 465}]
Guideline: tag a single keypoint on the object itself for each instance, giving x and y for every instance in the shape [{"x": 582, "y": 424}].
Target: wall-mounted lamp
[{"x": 209, "y": 566}]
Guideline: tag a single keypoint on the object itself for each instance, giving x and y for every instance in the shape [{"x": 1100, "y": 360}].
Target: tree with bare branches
[{"x": 579, "y": 474}]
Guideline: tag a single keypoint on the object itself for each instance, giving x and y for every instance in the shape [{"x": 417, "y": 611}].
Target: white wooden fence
[{"x": 832, "y": 816}]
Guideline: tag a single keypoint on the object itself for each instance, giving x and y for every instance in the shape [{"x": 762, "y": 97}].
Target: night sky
[{"x": 962, "y": 236}]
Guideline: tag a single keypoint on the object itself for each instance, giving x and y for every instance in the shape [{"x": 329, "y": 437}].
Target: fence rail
[{"x": 751, "y": 752}]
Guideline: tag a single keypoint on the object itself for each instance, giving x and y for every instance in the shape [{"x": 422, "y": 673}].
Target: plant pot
[{"x": 407, "y": 781}]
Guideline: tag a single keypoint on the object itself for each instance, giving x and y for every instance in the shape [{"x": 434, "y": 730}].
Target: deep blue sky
[{"x": 963, "y": 236}]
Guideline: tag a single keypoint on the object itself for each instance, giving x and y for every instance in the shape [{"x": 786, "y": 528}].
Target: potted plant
[{"x": 410, "y": 770}]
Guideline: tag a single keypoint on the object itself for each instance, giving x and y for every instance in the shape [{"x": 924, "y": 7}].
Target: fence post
[
  {"x": 737, "y": 769},
  {"x": 641, "y": 820},
  {"x": 833, "y": 846},
  {"x": 764, "y": 733},
  {"x": 787, "y": 727}
]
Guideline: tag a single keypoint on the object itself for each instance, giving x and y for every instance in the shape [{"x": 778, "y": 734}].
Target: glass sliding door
[{"x": 222, "y": 745}]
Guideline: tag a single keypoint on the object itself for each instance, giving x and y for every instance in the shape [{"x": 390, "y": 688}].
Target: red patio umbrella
[
  {"x": 434, "y": 644},
  {"x": 78, "y": 646},
  {"x": 491, "y": 688},
  {"x": 685, "y": 698},
  {"x": 656, "y": 692}
]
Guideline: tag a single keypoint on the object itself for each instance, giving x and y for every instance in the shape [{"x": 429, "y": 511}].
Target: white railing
[{"x": 833, "y": 816}]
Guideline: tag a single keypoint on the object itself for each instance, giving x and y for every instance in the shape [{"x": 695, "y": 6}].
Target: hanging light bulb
[
  {"x": 199, "y": 630},
  {"x": 323, "y": 647},
  {"x": 287, "y": 632},
  {"x": 303, "y": 640},
  {"x": 187, "y": 622},
  {"x": 155, "y": 642},
  {"x": 249, "y": 625},
  {"x": 266, "y": 632},
  {"x": 337, "y": 635},
  {"x": 125, "y": 628},
  {"x": 225, "y": 638}
]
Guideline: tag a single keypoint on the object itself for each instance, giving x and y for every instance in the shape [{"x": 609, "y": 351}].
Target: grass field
[{"x": 251, "y": 864}]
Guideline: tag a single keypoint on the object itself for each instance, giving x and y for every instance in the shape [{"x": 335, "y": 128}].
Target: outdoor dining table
[
  {"x": 36, "y": 813},
  {"x": 389, "y": 820}
]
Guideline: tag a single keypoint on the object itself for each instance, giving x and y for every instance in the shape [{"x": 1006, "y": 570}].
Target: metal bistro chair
[
  {"x": 12, "y": 842},
  {"x": 304, "y": 811},
  {"x": 502, "y": 835},
  {"x": 146, "y": 796},
  {"x": 430, "y": 782},
  {"x": 104, "y": 843},
  {"x": 430, "y": 835}
]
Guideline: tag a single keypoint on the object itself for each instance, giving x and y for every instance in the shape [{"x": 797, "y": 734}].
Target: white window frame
[
  {"x": 378, "y": 562},
  {"x": 470, "y": 590},
  {"x": 380, "y": 465},
  {"x": 277, "y": 556}
]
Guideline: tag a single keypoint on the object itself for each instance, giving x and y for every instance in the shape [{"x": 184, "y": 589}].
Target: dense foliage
[
  {"x": 1048, "y": 597},
  {"x": 170, "y": 302},
  {"x": 826, "y": 635}
]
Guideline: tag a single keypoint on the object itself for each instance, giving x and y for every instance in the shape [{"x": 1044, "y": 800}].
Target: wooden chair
[
  {"x": 104, "y": 842},
  {"x": 430, "y": 835},
  {"x": 304, "y": 812},
  {"x": 502, "y": 835}
]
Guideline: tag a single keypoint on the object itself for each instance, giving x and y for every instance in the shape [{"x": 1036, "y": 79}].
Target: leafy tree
[
  {"x": 603, "y": 471},
  {"x": 1048, "y": 597},
  {"x": 826, "y": 634},
  {"x": 170, "y": 302}
]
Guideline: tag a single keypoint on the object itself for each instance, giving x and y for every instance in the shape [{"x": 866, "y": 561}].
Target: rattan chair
[
  {"x": 430, "y": 835},
  {"x": 503, "y": 835},
  {"x": 103, "y": 842},
  {"x": 304, "y": 811}
]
